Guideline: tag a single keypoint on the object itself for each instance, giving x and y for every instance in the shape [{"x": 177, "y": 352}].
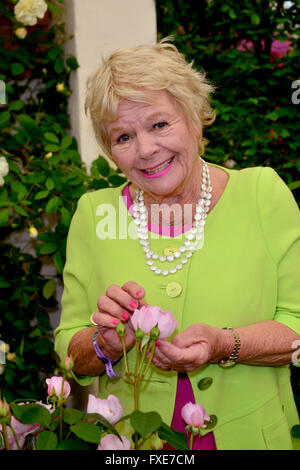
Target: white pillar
[{"x": 100, "y": 27}]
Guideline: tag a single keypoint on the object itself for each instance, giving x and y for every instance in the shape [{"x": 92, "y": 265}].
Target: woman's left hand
[{"x": 197, "y": 345}]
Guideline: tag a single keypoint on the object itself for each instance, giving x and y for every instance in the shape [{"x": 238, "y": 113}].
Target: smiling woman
[{"x": 238, "y": 263}]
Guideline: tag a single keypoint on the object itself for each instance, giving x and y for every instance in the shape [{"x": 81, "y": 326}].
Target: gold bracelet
[{"x": 232, "y": 359}]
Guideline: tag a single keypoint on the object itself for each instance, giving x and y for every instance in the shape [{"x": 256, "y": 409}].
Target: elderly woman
[{"x": 219, "y": 248}]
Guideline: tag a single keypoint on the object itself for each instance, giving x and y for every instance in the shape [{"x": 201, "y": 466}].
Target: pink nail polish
[
  {"x": 133, "y": 304},
  {"x": 138, "y": 292},
  {"x": 157, "y": 343},
  {"x": 115, "y": 322},
  {"x": 125, "y": 316}
]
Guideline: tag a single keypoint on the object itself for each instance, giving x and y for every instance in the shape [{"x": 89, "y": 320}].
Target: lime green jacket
[{"x": 247, "y": 271}]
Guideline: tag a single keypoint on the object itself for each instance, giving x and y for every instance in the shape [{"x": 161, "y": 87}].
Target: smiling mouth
[{"x": 160, "y": 167}]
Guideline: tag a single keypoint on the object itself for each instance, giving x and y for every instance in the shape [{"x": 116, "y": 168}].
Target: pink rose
[
  {"x": 147, "y": 316},
  {"x": 55, "y": 384},
  {"x": 194, "y": 415},
  {"x": 111, "y": 409},
  {"x": 22, "y": 430},
  {"x": 279, "y": 48},
  {"x": 112, "y": 442}
]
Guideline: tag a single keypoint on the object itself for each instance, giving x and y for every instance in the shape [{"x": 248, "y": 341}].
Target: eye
[
  {"x": 123, "y": 138},
  {"x": 160, "y": 125}
]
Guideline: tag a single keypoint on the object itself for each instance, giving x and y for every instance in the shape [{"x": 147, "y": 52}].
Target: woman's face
[{"x": 154, "y": 146}]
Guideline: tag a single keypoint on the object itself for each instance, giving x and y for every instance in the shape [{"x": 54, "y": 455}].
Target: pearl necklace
[{"x": 193, "y": 237}]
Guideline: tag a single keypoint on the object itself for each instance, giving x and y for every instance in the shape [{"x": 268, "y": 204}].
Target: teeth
[{"x": 158, "y": 168}]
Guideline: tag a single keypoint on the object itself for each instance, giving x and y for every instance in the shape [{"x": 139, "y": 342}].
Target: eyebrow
[{"x": 151, "y": 117}]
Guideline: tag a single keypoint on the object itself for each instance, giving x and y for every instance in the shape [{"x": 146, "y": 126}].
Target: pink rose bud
[
  {"x": 112, "y": 442},
  {"x": 194, "y": 415},
  {"x": 147, "y": 317},
  {"x": 55, "y": 385},
  {"x": 110, "y": 408}
]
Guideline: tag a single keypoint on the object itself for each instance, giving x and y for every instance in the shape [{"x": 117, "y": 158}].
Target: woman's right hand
[{"x": 116, "y": 305}]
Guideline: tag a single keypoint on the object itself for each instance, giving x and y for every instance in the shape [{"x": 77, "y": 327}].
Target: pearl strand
[{"x": 193, "y": 238}]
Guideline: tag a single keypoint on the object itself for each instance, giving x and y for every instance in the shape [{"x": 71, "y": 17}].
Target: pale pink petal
[{"x": 112, "y": 442}]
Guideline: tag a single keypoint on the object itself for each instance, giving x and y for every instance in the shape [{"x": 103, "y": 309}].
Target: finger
[
  {"x": 122, "y": 297},
  {"x": 110, "y": 307},
  {"x": 106, "y": 319},
  {"x": 134, "y": 289}
]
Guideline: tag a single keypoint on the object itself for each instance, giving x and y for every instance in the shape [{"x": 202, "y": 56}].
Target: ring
[{"x": 92, "y": 321}]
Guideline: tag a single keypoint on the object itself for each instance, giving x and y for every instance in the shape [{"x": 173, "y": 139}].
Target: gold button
[
  {"x": 173, "y": 289},
  {"x": 170, "y": 250}
]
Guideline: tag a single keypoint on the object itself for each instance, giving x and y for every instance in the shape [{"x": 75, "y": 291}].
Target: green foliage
[
  {"x": 45, "y": 180},
  {"x": 257, "y": 122}
]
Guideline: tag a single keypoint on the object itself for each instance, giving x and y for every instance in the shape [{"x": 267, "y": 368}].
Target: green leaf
[
  {"x": 145, "y": 423},
  {"x": 116, "y": 180},
  {"x": 88, "y": 432},
  {"x": 72, "y": 63},
  {"x": 4, "y": 119},
  {"x": 19, "y": 188},
  {"x": 66, "y": 142},
  {"x": 50, "y": 184},
  {"x": 72, "y": 416},
  {"x": 54, "y": 9},
  {"x": 17, "y": 105},
  {"x": 4, "y": 284},
  {"x": 232, "y": 14},
  {"x": 294, "y": 185},
  {"x": 4, "y": 215},
  {"x": 176, "y": 439},
  {"x": 51, "y": 137},
  {"x": 58, "y": 261},
  {"x": 273, "y": 116},
  {"x": 46, "y": 440},
  {"x": 41, "y": 194},
  {"x": 52, "y": 148},
  {"x": 53, "y": 52},
  {"x": 65, "y": 217},
  {"x": 255, "y": 19},
  {"x": 53, "y": 204},
  {"x": 73, "y": 444},
  {"x": 20, "y": 211},
  {"x": 47, "y": 249},
  {"x": 32, "y": 414},
  {"x": 28, "y": 123},
  {"x": 17, "y": 68},
  {"x": 103, "y": 166},
  {"x": 49, "y": 289},
  {"x": 59, "y": 65}
]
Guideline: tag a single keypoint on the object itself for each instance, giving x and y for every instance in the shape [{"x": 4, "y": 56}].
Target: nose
[{"x": 146, "y": 144}]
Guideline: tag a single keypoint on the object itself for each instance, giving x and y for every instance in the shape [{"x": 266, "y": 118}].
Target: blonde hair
[{"x": 131, "y": 73}]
